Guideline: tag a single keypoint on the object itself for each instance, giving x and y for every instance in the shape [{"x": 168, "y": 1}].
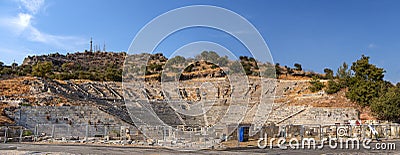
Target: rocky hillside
[
  {"x": 92, "y": 79},
  {"x": 82, "y": 60},
  {"x": 108, "y": 66}
]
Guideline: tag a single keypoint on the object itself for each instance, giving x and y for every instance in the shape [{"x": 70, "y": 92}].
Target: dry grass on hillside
[
  {"x": 337, "y": 100},
  {"x": 3, "y": 119},
  {"x": 290, "y": 77},
  {"x": 14, "y": 86}
]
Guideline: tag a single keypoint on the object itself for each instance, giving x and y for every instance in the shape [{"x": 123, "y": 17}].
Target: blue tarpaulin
[{"x": 241, "y": 134}]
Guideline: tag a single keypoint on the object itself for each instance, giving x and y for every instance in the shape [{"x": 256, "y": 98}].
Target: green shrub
[
  {"x": 27, "y": 133},
  {"x": 387, "y": 106},
  {"x": 316, "y": 85},
  {"x": 333, "y": 87}
]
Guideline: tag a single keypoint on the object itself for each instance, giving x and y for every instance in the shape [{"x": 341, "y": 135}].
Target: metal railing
[{"x": 201, "y": 137}]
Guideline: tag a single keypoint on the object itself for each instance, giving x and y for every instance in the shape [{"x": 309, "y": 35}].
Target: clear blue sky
[{"x": 317, "y": 34}]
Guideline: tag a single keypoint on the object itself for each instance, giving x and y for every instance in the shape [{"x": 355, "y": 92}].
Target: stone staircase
[
  {"x": 232, "y": 98},
  {"x": 283, "y": 113}
]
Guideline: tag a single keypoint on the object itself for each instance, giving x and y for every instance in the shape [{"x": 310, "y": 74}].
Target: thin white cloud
[
  {"x": 21, "y": 26},
  {"x": 18, "y": 23},
  {"x": 23, "y": 20},
  {"x": 65, "y": 42},
  {"x": 32, "y": 6}
]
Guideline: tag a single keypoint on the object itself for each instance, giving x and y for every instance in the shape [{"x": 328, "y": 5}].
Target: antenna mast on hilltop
[
  {"x": 91, "y": 45},
  {"x": 104, "y": 47}
]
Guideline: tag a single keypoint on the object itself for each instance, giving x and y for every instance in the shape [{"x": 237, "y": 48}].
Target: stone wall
[
  {"x": 322, "y": 115},
  {"x": 72, "y": 119}
]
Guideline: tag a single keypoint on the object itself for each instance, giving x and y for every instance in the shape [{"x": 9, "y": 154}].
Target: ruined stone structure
[
  {"x": 79, "y": 107},
  {"x": 67, "y": 121},
  {"x": 203, "y": 83},
  {"x": 107, "y": 97},
  {"x": 319, "y": 115}
]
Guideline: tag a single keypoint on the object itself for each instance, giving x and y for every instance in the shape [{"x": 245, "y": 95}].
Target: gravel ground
[{"x": 68, "y": 149}]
